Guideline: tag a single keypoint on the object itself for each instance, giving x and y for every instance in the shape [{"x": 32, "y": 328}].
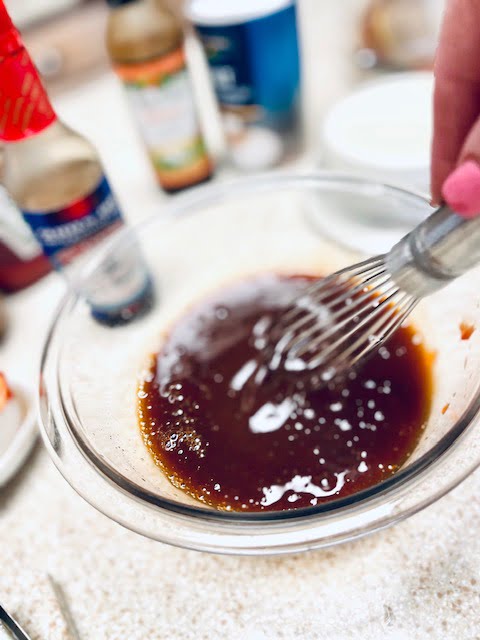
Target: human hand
[{"x": 455, "y": 174}]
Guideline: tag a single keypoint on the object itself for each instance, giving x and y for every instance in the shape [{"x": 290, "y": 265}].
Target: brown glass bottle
[{"x": 146, "y": 44}]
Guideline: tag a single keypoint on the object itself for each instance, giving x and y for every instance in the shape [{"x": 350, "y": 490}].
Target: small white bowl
[
  {"x": 382, "y": 131},
  {"x": 18, "y": 432}
]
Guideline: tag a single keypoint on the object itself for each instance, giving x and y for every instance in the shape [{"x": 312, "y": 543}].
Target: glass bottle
[
  {"x": 145, "y": 41},
  {"x": 55, "y": 177}
]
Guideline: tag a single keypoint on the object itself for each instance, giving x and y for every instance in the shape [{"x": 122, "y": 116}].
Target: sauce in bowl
[{"x": 279, "y": 444}]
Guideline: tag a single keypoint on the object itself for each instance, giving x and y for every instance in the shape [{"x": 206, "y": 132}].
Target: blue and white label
[
  {"x": 67, "y": 233},
  {"x": 255, "y": 62},
  {"x": 120, "y": 288}
]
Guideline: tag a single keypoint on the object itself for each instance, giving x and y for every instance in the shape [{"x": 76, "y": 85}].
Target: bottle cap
[
  {"x": 24, "y": 105},
  {"x": 220, "y": 13},
  {"x": 9, "y": 36}
]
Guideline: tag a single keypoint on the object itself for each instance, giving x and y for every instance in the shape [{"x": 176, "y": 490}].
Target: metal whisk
[{"x": 346, "y": 316}]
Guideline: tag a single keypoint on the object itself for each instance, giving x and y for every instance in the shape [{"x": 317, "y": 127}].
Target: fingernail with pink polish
[{"x": 461, "y": 190}]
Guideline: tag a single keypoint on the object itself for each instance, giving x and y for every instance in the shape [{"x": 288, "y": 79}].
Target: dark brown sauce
[{"x": 278, "y": 445}]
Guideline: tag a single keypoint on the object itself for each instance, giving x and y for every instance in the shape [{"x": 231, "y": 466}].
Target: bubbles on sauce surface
[{"x": 272, "y": 442}]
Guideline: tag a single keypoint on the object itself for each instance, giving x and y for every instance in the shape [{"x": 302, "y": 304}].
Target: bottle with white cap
[{"x": 253, "y": 55}]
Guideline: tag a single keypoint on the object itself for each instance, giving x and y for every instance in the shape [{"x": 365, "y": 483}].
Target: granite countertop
[{"x": 418, "y": 579}]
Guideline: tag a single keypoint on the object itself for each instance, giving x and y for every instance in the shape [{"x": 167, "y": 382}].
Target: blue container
[{"x": 253, "y": 54}]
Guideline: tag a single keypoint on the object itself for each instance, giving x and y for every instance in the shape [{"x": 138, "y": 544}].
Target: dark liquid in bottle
[{"x": 277, "y": 445}]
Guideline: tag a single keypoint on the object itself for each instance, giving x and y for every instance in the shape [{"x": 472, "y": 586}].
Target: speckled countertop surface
[{"x": 419, "y": 579}]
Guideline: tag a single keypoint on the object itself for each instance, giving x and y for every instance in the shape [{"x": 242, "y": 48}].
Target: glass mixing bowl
[{"x": 210, "y": 237}]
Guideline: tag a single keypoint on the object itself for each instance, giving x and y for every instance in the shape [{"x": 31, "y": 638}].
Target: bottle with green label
[{"x": 145, "y": 41}]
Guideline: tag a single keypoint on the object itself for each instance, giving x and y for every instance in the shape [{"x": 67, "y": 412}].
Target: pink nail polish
[{"x": 461, "y": 189}]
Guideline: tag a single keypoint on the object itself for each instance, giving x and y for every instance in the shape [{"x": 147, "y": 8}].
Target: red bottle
[{"x": 22, "y": 261}]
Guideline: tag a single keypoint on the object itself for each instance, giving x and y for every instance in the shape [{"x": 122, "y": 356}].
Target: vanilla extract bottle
[{"x": 57, "y": 180}]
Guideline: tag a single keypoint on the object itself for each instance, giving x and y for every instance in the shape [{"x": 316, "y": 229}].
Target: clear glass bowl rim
[{"x": 185, "y": 205}]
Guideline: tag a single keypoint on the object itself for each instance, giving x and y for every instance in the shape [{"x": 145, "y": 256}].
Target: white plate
[{"x": 21, "y": 438}]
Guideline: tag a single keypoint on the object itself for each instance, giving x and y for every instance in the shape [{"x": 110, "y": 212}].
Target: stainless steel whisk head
[
  {"x": 344, "y": 317},
  {"x": 340, "y": 319}
]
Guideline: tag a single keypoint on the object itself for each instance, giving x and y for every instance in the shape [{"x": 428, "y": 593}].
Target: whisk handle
[{"x": 440, "y": 249}]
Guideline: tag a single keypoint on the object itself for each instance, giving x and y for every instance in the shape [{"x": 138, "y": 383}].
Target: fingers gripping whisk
[{"x": 346, "y": 316}]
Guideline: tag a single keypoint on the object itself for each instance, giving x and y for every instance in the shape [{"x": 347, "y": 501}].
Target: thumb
[{"x": 461, "y": 190}]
